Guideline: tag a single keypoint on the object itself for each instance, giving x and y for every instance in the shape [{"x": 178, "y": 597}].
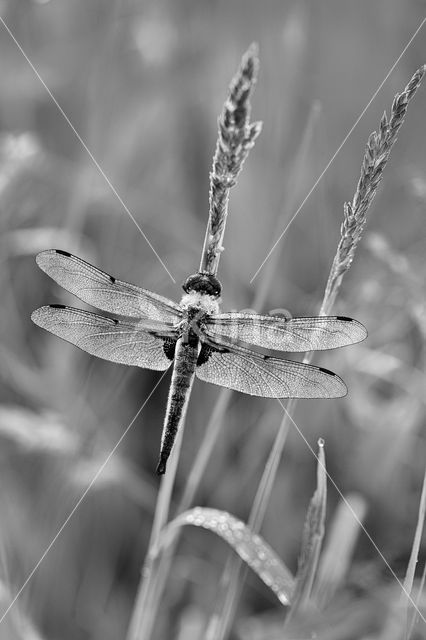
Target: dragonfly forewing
[
  {"x": 146, "y": 344},
  {"x": 291, "y": 335},
  {"x": 99, "y": 289}
]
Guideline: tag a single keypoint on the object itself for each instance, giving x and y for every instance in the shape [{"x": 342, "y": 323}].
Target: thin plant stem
[
  {"x": 143, "y": 616},
  {"x": 405, "y": 599},
  {"x": 292, "y": 191}
]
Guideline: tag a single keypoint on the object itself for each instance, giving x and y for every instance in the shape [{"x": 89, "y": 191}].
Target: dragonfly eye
[{"x": 203, "y": 283}]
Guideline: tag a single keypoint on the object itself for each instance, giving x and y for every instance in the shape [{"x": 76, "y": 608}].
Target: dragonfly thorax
[
  {"x": 202, "y": 295},
  {"x": 197, "y": 305}
]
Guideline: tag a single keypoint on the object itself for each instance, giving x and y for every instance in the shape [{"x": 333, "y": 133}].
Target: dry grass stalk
[
  {"x": 236, "y": 137},
  {"x": 376, "y": 156}
]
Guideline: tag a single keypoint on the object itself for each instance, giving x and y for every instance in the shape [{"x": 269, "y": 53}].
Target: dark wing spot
[
  {"x": 57, "y": 306},
  {"x": 115, "y": 321},
  {"x": 206, "y": 352},
  {"x": 344, "y": 318},
  {"x": 169, "y": 348},
  {"x": 330, "y": 373},
  {"x": 112, "y": 279},
  {"x": 63, "y": 253}
]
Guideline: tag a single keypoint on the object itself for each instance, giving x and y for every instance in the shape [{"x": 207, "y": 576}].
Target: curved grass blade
[{"x": 251, "y": 548}]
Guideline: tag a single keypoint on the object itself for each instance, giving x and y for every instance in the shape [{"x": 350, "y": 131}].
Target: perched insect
[{"x": 154, "y": 332}]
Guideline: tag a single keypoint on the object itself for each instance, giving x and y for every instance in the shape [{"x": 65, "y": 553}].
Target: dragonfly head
[{"x": 203, "y": 283}]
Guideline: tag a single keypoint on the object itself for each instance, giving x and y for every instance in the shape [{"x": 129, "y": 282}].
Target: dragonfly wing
[
  {"x": 103, "y": 291},
  {"x": 280, "y": 334},
  {"x": 245, "y": 370},
  {"x": 143, "y": 344}
]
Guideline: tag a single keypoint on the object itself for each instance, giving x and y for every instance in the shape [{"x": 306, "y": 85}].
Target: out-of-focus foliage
[{"x": 143, "y": 84}]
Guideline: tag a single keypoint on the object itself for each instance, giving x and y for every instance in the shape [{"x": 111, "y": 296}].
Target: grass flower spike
[
  {"x": 377, "y": 153},
  {"x": 236, "y": 137}
]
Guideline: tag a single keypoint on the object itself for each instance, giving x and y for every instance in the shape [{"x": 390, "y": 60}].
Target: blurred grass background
[{"x": 143, "y": 83}]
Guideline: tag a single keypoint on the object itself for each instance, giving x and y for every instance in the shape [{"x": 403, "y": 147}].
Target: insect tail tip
[{"x": 161, "y": 467}]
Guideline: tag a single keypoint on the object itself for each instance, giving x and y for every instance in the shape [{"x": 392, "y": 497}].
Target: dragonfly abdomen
[{"x": 185, "y": 362}]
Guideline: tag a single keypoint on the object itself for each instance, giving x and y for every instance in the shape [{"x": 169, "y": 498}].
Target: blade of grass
[
  {"x": 251, "y": 548},
  {"x": 405, "y": 600},
  {"x": 415, "y": 617},
  {"x": 337, "y": 554},
  {"x": 312, "y": 538}
]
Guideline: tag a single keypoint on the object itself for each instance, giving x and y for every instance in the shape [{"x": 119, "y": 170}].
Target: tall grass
[{"x": 143, "y": 86}]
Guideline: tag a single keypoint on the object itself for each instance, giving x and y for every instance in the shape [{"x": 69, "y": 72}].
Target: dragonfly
[{"x": 150, "y": 331}]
